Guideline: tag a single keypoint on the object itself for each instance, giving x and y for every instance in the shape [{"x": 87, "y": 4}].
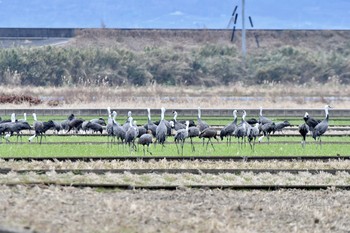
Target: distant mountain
[{"x": 267, "y": 14}]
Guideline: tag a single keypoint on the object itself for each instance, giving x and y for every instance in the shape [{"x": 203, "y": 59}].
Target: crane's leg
[
  {"x": 178, "y": 152},
  {"x": 144, "y": 153},
  {"x": 182, "y": 147},
  {"x": 192, "y": 146},
  {"x": 211, "y": 144},
  {"x": 148, "y": 150}
]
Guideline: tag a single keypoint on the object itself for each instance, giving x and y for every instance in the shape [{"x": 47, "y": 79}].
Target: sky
[{"x": 189, "y": 14}]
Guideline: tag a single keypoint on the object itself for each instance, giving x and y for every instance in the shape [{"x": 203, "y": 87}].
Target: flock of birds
[{"x": 157, "y": 132}]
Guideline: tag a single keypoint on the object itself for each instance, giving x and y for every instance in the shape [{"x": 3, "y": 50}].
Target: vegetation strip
[
  {"x": 174, "y": 171},
  {"x": 179, "y": 187},
  {"x": 181, "y": 158}
]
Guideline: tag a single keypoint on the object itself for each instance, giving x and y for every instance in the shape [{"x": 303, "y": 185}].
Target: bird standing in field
[
  {"x": 181, "y": 136},
  {"x": 150, "y": 125},
  {"x": 321, "y": 127},
  {"x": 241, "y": 130},
  {"x": 311, "y": 122},
  {"x": 145, "y": 140},
  {"x": 303, "y": 130},
  {"x": 202, "y": 125},
  {"x": 263, "y": 120},
  {"x": 193, "y": 132},
  {"x": 131, "y": 135},
  {"x": 40, "y": 128},
  {"x": 228, "y": 130},
  {"x": 161, "y": 131},
  {"x": 208, "y": 133},
  {"x": 252, "y": 134}
]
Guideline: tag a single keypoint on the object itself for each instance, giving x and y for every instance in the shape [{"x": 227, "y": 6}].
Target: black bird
[
  {"x": 266, "y": 129},
  {"x": 76, "y": 124},
  {"x": 311, "y": 122},
  {"x": 303, "y": 130},
  {"x": 40, "y": 128},
  {"x": 95, "y": 127},
  {"x": 17, "y": 127}
]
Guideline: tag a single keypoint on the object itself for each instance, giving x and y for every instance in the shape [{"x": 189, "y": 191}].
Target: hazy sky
[{"x": 266, "y": 14}]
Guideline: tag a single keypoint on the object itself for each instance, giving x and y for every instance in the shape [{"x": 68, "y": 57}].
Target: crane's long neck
[
  {"x": 13, "y": 117},
  {"x": 187, "y": 125},
  {"x": 34, "y": 116},
  {"x": 175, "y": 116},
  {"x": 162, "y": 114},
  {"x": 261, "y": 111},
  {"x": 149, "y": 115},
  {"x": 25, "y": 116},
  {"x": 199, "y": 113},
  {"x": 130, "y": 121},
  {"x": 235, "y": 117},
  {"x": 327, "y": 115}
]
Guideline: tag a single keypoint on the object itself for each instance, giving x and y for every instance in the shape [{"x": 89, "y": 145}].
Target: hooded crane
[
  {"x": 202, "y": 125},
  {"x": 321, "y": 127},
  {"x": 150, "y": 125},
  {"x": 40, "y": 128},
  {"x": 181, "y": 136},
  {"x": 252, "y": 134},
  {"x": 303, "y": 130},
  {"x": 177, "y": 125},
  {"x": 161, "y": 131},
  {"x": 145, "y": 140},
  {"x": 311, "y": 122},
  {"x": 241, "y": 130},
  {"x": 193, "y": 132},
  {"x": 131, "y": 134},
  {"x": 263, "y": 120},
  {"x": 208, "y": 133},
  {"x": 228, "y": 130}
]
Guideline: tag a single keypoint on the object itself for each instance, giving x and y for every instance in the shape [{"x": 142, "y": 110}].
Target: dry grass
[{"x": 156, "y": 96}]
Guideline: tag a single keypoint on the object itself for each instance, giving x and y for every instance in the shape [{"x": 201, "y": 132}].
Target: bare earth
[{"x": 53, "y": 209}]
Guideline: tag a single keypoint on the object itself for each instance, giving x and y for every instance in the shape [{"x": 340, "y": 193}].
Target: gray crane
[
  {"x": 202, "y": 125},
  {"x": 145, "y": 140},
  {"x": 181, "y": 136},
  {"x": 241, "y": 130},
  {"x": 208, "y": 133},
  {"x": 177, "y": 125},
  {"x": 109, "y": 126},
  {"x": 161, "y": 131},
  {"x": 279, "y": 126},
  {"x": 263, "y": 120},
  {"x": 131, "y": 135},
  {"x": 150, "y": 125},
  {"x": 266, "y": 129},
  {"x": 228, "y": 130},
  {"x": 321, "y": 127},
  {"x": 126, "y": 125},
  {"x": 252, "y": 134},
  {"x": 193, "y": 132},
  {"x": 303, "y": 130}
]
